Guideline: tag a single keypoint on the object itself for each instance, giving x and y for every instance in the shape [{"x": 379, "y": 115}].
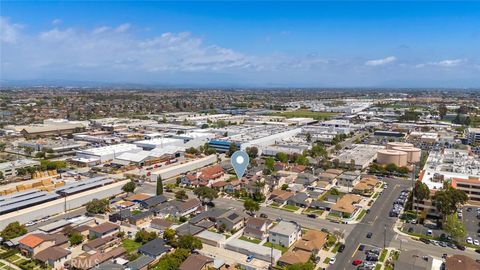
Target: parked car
[
  {"x": 369, "y": 235},
  {"x": 357, "y": 262},
  {"x": 332, "y": 260},
  {"x": 263, "y": 215},
  {"x": 312, "y": 216},
  {"x": 341, "y": 248},
  {"x": 249, "y": 258},
  {"x": 361, "y": 247}
]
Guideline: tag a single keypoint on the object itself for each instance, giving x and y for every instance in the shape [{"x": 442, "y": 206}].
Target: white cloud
[
  {"x": 122, "y": 28},
  {"x": 57, "y": 21},
  {"x": 381, "y": 62},
  {"x": 448, "y": 63},
  {"x": 100, "y": 30},
  {"x": 9, "y": 32}
]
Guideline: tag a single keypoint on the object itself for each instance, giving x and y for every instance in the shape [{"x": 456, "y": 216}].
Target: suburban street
[{"x": 374, "y": 222}]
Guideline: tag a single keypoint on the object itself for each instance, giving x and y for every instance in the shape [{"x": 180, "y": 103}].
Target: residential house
[
  {"x": 280, "y": 166},
  {"x": 345, "y": 207},
  {"x": 197, "y": 262},
  {"x": 140, "y": 218},
  {"x": 285, "y": 233},
  {"x": 121, "y": 215},
  {"x": 104, "y": 229},
  {"x": 280, "y": 196},
  {"x": 138, "y": 197},
  {"x": 53, "y": 257},
  {"x": 298, "y": 168},
  {"x": 231, "y": 220},
  {"x": 188, "y": 207},
  {"x": 155, "y": 248},
  {"x": 160, "y": 224},
  {"x": 89, "y": 261},
  {"x": 306, "y": 179},
  {"x": 300, "y": 199},
  {"x": 366, "y": 186},
  {"x": 220, "y": 185},
  {"x": 141, "y": 263},
  {"x": 32, "y": 244},
  {"x": 327, "y": 177},
  {"x": 257, "y": 228},
  {"x": 348, "y": 179},
  {"x": 100, "y": 243},
  {"x": 294, "y": 257},
  {"x": 232, "y": 186},
  {"x": 153, "y": 201},
  {"x": 312, "y": 241}
]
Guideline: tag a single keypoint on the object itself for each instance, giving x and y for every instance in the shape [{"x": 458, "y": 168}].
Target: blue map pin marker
[{"x": 240, "y": 161}]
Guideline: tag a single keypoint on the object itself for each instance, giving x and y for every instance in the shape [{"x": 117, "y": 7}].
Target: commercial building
[
  {"x": 176, "y": 170},
  {"x": 473, "y": 135},
  {"x": 105, "y": 153},
  {"x": 38, "y": 130},
  {"x": 470, "y": 185},
  {"x": 10, "y": 168},
  {"x": 361, "y": 155},
  {"x": 159, "y": 142}
]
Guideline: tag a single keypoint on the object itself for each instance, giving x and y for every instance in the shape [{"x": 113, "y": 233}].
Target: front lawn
[
  {"x": 251, "y": 240},
  {"x": 276, "y": 246},
  {"x": 291, "y": 207},
  {"x": 327, "y": 260},
  {"x": 130, "y": 245}
]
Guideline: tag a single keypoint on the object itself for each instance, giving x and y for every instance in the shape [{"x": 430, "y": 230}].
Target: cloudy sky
[{"x": 324, "y": 44}]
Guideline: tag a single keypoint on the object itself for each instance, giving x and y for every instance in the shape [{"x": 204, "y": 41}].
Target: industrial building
[
  {"x": 10, "y": 168},
  {"x": 158, "y": 142},
  {"x": 361, "y": 155},
  {"x": 143, "y": 157},
  {"x": 176, "y": 170},
  {"x": 389, "y": 156},
  {"x": 105, "y": 153},
  {"x": 257, "y": 136}
]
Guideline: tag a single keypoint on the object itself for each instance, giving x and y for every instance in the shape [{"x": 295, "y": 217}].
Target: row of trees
[{"x": 387, "y": 169}]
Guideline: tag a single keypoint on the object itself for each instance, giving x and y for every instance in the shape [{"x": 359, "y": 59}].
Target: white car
[
  {"x": 476, "y": 243},
  {"x": 469, "y": 240},
  {"x": 332, "y": 260},
  {"x": 460, "y": 215}
]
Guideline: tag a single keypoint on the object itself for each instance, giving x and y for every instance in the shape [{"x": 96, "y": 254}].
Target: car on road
[
  {"x": 263, "y": 215},
  {"x": 460, "y": 247},
  {"x": 369, "y": 235},
  {"x": 332, "y": 260},
  {"x": 476, "y": 242},
  {"x": 357, "y": 262},
  {"x": 249, "y": 258},
  {"x": 425, "y": 240},
  {"x": 477, "y": 251},
  {"x": 312, "y": 216},
  {"x": 341, "y": 248},
  {"x": 429, "y": 232},
  {"x": 361, "y": 247}
]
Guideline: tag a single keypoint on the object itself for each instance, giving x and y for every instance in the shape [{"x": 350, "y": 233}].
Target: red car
[{"x": 357, "y": 262}]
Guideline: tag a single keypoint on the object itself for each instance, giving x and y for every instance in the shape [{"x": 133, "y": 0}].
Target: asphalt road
[{"x": 377, "y": 221}]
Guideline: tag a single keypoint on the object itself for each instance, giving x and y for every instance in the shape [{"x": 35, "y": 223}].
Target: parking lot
[
  {"x": 471, "y": 221},
  {"x": 366, "y": 256}
]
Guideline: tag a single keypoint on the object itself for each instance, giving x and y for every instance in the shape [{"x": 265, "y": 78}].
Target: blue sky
[{"x": 317, "y": 44}]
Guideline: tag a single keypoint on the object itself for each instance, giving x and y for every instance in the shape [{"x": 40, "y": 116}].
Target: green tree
[
  {"x": 251, "y": 205},
  {"x": 391, "y": 167},
  {"x": 192, "y": 151},
  {"x": 205, "y": 194},
  {"x": 13, "y": 230},
  {"x": 232, "y": 148},
  {"x": 448, "y": 199},
  {"x": 28, "y": 150},
  {"x": 252, "y": 152},
  {"x": 189, "y": 242},
  {"x": 282, "y": 157},
  {"x": 270, "y": 163},
  {"x": 75, "y": 238},
  {"x": 144, "y": 236},
  {"x": 284, "y": 187},
  {"x": 181, "y": 195},
  {"x": 422, "y": 192},
  {"x": 129, "y": 187},
  {"x": 302, "y": 160},
  {"x": 169, "y": 236},
  {"x": 455, "y": 227},
  {"x": 97, "y": 206},
  {"x": 172, "y": 261},
  {"x": 159, "y": 185}
]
